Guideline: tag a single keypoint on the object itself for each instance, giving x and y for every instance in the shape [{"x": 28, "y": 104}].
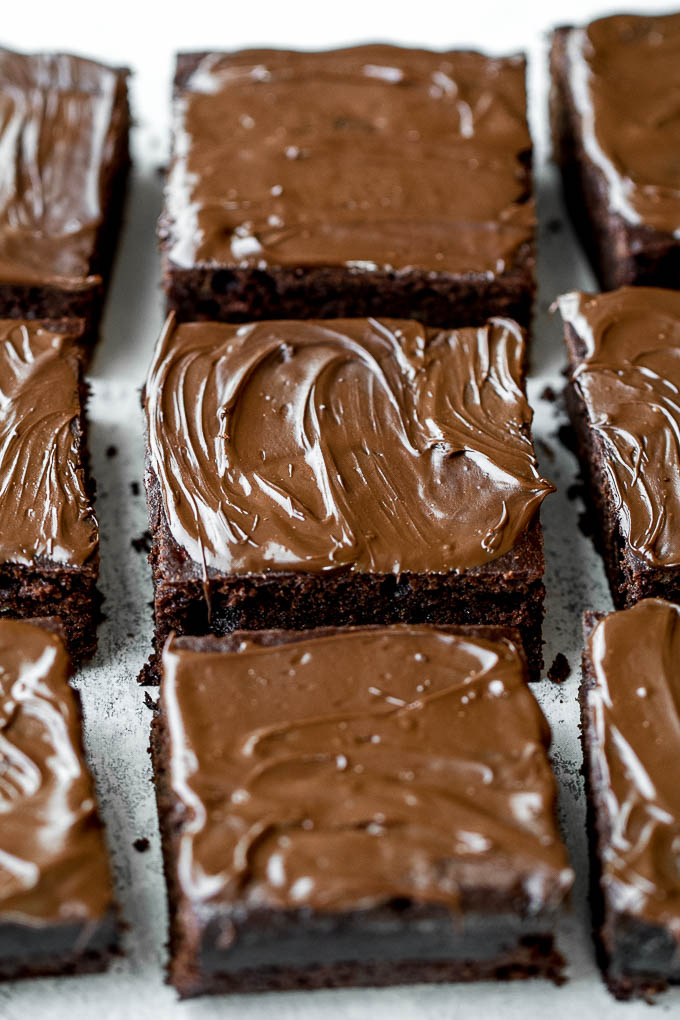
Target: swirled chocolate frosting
[
  {"x": 58, "y": 122},
  {"x": 344, "y": 771},
  {"x": 624, "y": 73},
  {"x": 53, "y": 862},
  {"x": 45, "y": 511},
  {"x": 634, "y": 711},
  {"x": 369, "y": 157},
  {"x": 629, "y": 381},
  {"x": 372, "y": 444}
]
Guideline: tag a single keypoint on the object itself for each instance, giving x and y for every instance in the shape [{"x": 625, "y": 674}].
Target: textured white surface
[{"x": 144, "y": 36}]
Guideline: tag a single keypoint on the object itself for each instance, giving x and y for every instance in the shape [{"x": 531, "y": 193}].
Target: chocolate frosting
[
  {"x": 344, "y": 771},
  {"x": 45, "y": 512},
  {"x": 634, "y": 709},
  {"x": 625, "y": 79},
  {"x": 629, "y": 381},
  {"x": 370, "y": 157},
  {"x": 58, "y": 123},
  {"x": 371, "y": 444},
  {"x": 53, "y": 863}
]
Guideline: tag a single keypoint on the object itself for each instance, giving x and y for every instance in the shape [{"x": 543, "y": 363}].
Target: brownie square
[
  {"x": 64, "y": 127},
  {"x": 373, "y": 180},
  {"x": 49, "y": 538},
  {"x": 57, "y": 910},
  {"x": 631, "y": 752},
  {"x": 331, "y": 472},
  {"x": 616, "y": 134},
  {"x": 347, "y": 807},
  {"x": 622, "y": 397}
]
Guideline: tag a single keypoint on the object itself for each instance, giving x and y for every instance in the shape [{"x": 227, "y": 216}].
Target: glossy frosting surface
[
  {"x": 53, "y": 863},
  {"x": 45, "y": 513},
  {"x": 346, "y": 770},
  {"x": 625, "y": 77},
  {"x": 635, "y": 714},
  {"x": 630, "y": 383},
  {"x": 371, "y": 157},
  {"x": 57, "y": 132},
  {"x": 371, "y": 444}
]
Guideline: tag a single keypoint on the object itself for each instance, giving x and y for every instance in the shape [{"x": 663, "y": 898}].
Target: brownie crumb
[
  {"x": 134, "y": 488},
  {"x": 141, "y": 845},
  {"x": 149, "y": 702},
  {"x": 549, "y": 394},
  {"x": 560, "y": 669},
  {"x": 576, "y": 491},
  {"x": 554, "y": 226},
  {"x": 143, "y": 543},
  {"x": 567, "y": 437},
  {"x": 111, "y": 451}
]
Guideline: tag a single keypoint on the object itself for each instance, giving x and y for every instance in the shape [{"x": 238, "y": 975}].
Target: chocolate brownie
[
  {"x": 616, "y": 134},
  {"x": 631, "y": 750},
  {"x": 622, "y": 396},
  {"x": 351, "y": 807},
  {"x": 64, "y": 159},
  {"x": 374, "y": 180},
  {"x": 320, "y": 473},
  {"x": 57, "y": 910},
  {"x": 49, "y": 538}
]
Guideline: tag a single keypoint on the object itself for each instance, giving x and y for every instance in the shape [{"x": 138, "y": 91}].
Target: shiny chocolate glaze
[
  {"x": 45, "y": 511},
  {"x": 369, "y": 157},
  {"x": 372, "y": 444},
  {"x": 634, "y": 745},
  {"x": 58, "y": 126},
  {"x": 629, "y": 381},
  {"x": 624, "y": 73},
  {"x": 348, "y": 770},
  {"x": 53, "y": 862}
]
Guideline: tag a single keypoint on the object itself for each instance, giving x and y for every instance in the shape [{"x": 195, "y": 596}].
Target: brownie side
[
  {"x": 196, "y": 944},
  {"x": 230, "y": 293},
  {"x": 621, "y": 253},
  {"x": 508, "y": 591},
  {"x": 630, "y": 577},
  {"x": 637, "y": 959},
  {"x": 48, "y": 301},
  {"x": 237, "y": 294}
]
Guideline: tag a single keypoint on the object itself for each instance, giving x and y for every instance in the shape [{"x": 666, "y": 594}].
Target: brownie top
[
  {"x": 59, "y": 116},
  {"x": 370, "y": 157},
  {"x": 626, "y": 367},
  {"x": 634, "y": 743},
  {"x": 53, "y": 862},
  {"x": 624, "y": 73},
  {"x": 346, "y": 771},
  {"x": 45, "y": 511},
  {"x": 377, "y": 445}
]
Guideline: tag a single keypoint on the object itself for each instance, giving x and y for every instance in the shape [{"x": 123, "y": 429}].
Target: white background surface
[{"x": 144, "y": 36}]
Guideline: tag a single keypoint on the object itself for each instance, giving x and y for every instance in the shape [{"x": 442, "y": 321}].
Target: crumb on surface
[
  {"x": 111, "y": 451},
  {"x": 143, "y": 543},
  {"x": 134, "y": 488},
  {"x": 550, "y": 394},
  {"x": 560, "y": 669},
  {"x": 149, "y": 702},
  {"x": 141, "y": 845}
]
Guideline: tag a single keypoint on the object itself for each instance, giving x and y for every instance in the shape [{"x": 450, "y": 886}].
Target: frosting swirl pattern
[{"x": 377, "y": 445}]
